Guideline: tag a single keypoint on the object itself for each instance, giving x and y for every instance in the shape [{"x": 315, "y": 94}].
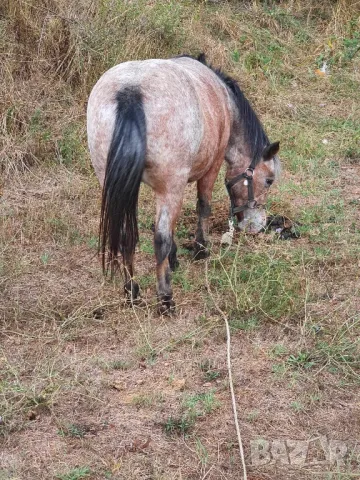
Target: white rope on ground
[{"x": 231, "y": 383}]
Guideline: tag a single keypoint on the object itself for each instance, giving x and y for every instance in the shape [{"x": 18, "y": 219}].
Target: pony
[{"x": 168, "y": 122}]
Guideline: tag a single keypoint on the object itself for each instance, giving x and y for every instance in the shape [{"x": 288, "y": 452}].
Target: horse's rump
[{"x": 187, "y": 112}]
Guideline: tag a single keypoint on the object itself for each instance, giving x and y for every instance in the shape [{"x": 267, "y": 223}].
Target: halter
[{"x": 251, "y": 202}]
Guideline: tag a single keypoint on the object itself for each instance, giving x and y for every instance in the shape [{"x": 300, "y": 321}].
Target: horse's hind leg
[
  {"x": 131, "y": 288},
  {"x": 173, "y": 261},
  {"x": 167, "y": 211}
]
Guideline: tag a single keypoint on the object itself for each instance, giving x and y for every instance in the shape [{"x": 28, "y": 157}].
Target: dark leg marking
[
  {"x": 163, "y": 245},
  {"x": 166, "y": 304},
  {"x": 132, "y": 290},
  {"x": 203, "y": 208},
  {"x": 204, "y": 212},
  {"x": 173, "y": 261}
]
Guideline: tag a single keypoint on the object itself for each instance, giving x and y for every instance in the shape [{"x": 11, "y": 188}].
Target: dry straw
[{"x": 231, "y": 383}]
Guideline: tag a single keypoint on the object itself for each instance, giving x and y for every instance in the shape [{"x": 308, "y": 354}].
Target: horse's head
[{"x": 248, "y": 190}]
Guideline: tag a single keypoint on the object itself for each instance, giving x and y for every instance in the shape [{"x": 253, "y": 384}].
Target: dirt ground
[{"x": 91, "y": 383}]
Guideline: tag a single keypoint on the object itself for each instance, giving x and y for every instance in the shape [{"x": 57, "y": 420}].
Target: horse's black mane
[{"x": 254, "y": 132}]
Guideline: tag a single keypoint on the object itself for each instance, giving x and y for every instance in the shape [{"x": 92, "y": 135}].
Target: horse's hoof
[
  {"x": 138, "y": 301},
  {"x": 201, "y": 253},
  {"x": 132, "y": 289},
  {"x": 167, "y": 310},
  {"x": 132, "y": 293},
  {"x": 166, "y": 307}
]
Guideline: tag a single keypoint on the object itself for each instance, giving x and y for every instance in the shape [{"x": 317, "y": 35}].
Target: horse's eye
[{"x": 269, "y": 182}]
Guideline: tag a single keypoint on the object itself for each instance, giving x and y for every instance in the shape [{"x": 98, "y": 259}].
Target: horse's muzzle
[{"x": 252, "y": 220}]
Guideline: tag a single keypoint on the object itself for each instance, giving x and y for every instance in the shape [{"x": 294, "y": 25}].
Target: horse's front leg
[
  {"x": 167, "y": 212},
  {"x": 202, "y": 231},
  {"x": 204, "y": 194}
]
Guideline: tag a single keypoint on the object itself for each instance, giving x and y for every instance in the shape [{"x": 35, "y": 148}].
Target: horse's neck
[{"x": 237, "y": 154}]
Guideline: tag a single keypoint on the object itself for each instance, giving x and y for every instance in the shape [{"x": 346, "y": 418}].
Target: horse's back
[{"x": 186, "y": 109}]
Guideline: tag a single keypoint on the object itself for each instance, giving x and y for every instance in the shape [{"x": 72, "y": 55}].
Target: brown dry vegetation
[{"x": 92, "y": 389}]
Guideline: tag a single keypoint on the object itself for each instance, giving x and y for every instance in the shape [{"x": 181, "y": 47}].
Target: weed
[
  {"x": 45, "y": 258},
  {"x": 352, "y": 155},
  {"x": 297, "y": 406},
  {"x": 147, "y": 400},
  {"x": 93, "y": 242},
  {"x": 182, "y": 278},
  {"x": 235, "y": 55},
  {"x": 201, "y": 404},
  {"x": 193, "y": 406},
  {"x": 252, "y": 416},
  {"x": 314, "y": 398},
  {"x": 202, "y": 452},
  {"x": 182, "y": 231},
  {"x": 248, "y": 324},
  {"x": 260, "y": 284},
  {"x": 179, "y": 426},
  {"x": 210, "y": 373},
  {"x": 343, "y": 354},
  {"x": 206, "y": 365},
  {"x": 146, "y": 352},
  {"x": 301, "y": 360},
  {"x": 73, "y": 430},
  {"x": 120, "y": 365},
  {"x": 278, "y": 350},
  {"x": 75, "y": 474},
  {"x": 279, "y": 369},
  {"x": 147, "y": 281},
  {"x": 70, "y": 147},
  {"x": 147, "y": 245}
]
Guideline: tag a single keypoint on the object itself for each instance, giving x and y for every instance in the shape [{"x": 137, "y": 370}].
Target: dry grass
[{"x": 90, "y": 388}]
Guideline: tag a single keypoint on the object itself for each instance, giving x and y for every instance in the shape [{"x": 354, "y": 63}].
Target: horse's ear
[{"x": 270, "y": 151}]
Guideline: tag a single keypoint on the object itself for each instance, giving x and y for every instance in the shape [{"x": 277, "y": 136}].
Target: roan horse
[{"x": 167, "y": 123}]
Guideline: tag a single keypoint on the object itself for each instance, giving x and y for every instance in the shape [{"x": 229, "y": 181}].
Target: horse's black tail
[{"x": 124, "y": 168}]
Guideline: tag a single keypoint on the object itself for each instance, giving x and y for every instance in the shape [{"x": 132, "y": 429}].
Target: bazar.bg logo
[{"x": 318, "y": 451}]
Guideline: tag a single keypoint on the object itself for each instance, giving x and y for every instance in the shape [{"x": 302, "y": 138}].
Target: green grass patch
[
  {"x": 209, "y": 369},
  {"x": 182, "y": 277},
  {"x": 201, "y": 404},
  {"x": 301, "y": 360},
  {"x": 178, "y": 425},
  {"x": 247, "y": 324},
  {"x": 259, "y": 282},
  {"x": 75, "y": 474},
  {"x": 73, "y": 430},
  {"x": 147, "y": 400},
  {"x": 193, "y": 407}
]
